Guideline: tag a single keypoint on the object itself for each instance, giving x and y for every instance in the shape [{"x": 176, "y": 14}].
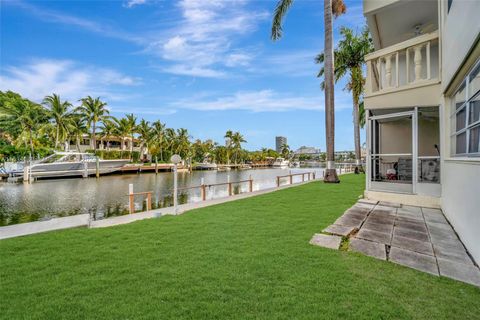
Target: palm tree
[
  {"x": 182, "y": 142},
  {"x": 286, "y": 151},
  {"x": 158, "y": 136},
  {"x": 350, "y": 58},
  {"x": 228, "y": 143},
  {"x": 144, "y": 135},
  {"x": 26, "y": 115},
  {"x": 171, "y": 137},
  {"x": 93, "y": 111},
  {"x": 122, "y": 129},
  {"x": 236, "y": 141},
  {"x": 132, "y": 123},
  {"x": 108, "y": 130},
  {"x": 60, "y": 114},
  {"x": 335, "y": 7},
  {"x": 76, "y": 129}
]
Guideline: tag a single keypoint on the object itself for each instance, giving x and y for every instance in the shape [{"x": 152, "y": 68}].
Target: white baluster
[
  {"x": 417, "y": 58},
  {"x": 388, "y": 71}
]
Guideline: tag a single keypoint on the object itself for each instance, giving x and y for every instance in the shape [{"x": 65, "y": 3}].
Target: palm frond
[{"x": 278, "y": 16}]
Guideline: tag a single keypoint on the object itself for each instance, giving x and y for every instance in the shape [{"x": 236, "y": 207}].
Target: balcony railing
[{"x": 405, "y": 65}]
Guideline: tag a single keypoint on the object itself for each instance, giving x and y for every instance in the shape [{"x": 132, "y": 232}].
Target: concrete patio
[{"x": 416, "y": 237}]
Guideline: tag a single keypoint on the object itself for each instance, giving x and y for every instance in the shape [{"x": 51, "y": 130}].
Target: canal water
[{"x": 107, "y": 196}]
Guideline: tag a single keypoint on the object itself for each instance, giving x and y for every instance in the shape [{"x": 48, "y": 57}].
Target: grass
[{"x": 244, "y": 259}]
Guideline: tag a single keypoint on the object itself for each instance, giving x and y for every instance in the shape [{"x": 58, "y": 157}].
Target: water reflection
[{"x": 106, "y": 196}]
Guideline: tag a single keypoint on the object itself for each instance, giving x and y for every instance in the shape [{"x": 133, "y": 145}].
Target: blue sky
[{"x": 208, "y": 66}]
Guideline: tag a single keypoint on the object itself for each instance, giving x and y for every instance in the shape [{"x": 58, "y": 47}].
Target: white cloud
[
  {"x": 65, "y": 77},
  {"x": 204, "y": 37},
  {"x": 185, "y": 70},
  {"x": 132, "y": 3},
  {"x": 261, "y": 101}
]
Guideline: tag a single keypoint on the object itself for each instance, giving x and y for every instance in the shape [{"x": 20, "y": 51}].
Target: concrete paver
[
  {"x": 380, "y": 237},
  {"x": 424, "y": 247},
  {"x": 459, "y": 271},
  {"x": 369, "y": 248},
  {"x": 414, "y": 260},
  {"x": 326, "y": 241},
  {"x": 339, "y": 230}
]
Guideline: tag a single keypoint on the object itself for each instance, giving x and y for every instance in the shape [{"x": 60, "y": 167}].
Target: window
[{"x": 466, "y": 116}]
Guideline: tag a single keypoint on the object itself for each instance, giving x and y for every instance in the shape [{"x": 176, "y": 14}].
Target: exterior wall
[
  {"x": 425, "y": 96},
  {"x": 458, "y": 37},
  {"x": 461, "y": 201}
]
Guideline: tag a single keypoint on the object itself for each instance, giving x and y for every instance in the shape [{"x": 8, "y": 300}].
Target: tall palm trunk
[
  {"x": 30, "y": 138},
  {"x": 356, "y": 133},
  {"x": 56, "y": 136},
  {"x": 93, "y": 139},
  {"x": 78, "y": 143},
  {"x": 330, "y": 172}
]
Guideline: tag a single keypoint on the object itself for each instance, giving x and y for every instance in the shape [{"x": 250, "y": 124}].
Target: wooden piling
[
  {"x": 204, "y": 192},
  {"x": 229, "y": 188},
  {"x": 291, "y": 179},
  {"x": 97, "y": 167},
  {"x": 149, "y": 201},
  {"x": 250, "y": 184},
  {"x": 278, "y": 181},
  {"x": 156, "y": 165}
]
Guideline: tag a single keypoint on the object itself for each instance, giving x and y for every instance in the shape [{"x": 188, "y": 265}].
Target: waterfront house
[{"x": 422, "y": 101}]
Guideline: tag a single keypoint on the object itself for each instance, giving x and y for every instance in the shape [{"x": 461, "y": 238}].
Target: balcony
[{"x": 404, "y": 74}]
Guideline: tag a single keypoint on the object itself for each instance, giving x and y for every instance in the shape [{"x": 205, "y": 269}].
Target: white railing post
[
  {"x": 388, "y": 71},
  {"x": 397, "y": 75},
  {"x": 428, "y": 61},
  {"x": 417, "y": 58},
  {"x": 407, "y": 64}
]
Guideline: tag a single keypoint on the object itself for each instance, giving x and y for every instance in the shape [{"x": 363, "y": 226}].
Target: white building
[
  {"x": 310, "y": 151},
  {"x": 279, "y": 143},
  {"x": 423, "y": 108}
]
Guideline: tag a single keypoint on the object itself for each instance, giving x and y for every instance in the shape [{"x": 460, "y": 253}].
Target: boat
[
  {"x": 281, "y": 163},
  {"x": 68, "y": 164},
  {"x": 206, "y": 166}
]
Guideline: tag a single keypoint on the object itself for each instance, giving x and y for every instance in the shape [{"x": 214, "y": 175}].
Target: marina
[{"x": 106, "y": 197}]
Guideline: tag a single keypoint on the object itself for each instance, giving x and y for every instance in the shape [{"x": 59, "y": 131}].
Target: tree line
[{"x": 33, "y": 128}]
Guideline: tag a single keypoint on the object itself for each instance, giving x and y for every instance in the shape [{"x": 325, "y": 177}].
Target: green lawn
[{"x": 244, "y": 259}]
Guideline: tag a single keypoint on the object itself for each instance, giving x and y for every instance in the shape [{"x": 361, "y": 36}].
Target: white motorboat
[
  {"x": 281, "y": 163},
  {"x": 68, "y": 164},
  {"x": 206, "y": 166}
]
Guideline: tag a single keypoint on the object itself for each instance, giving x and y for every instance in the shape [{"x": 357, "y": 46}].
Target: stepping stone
[
  {"x": 410, "y": 215},
  {"x": 415, "y": 226},
  {"x": 433, "y": 215},
  {"x": 339, "y": 230},
  {"x": 411, "y": 209},
  {"x": 386, "y": 213},
  {"x": 380, "y": 237},
  {"x": 385, "y": 208},
  {"x": 410, "y": 234},
  {"x": 363, "y": 206},
  {"x": 414, "y": 260},
  {"x": 390, "y": 204},
  {"x": 355, "y": 214},
  {"x": 380, "y": 227},
  {"x": 367, "y": 201},
  {"x": 347, "y": 221},
  {"x": 402, "y": 217},
  {"x": 326, "y": 241},
  {"x": 459, "y": 271},
  {"x": 369, "y": 248},
  {"x": 381, "y": 219},
  {"x": 440, "y": 233},
  {"x": 450, "y": 243},
  {"x": 424, "y": 247},
  {"x": 454, "y": 254}
]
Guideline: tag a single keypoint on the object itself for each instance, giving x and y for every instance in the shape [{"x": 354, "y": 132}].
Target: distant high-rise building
[{"x": 279, "y": 143}]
